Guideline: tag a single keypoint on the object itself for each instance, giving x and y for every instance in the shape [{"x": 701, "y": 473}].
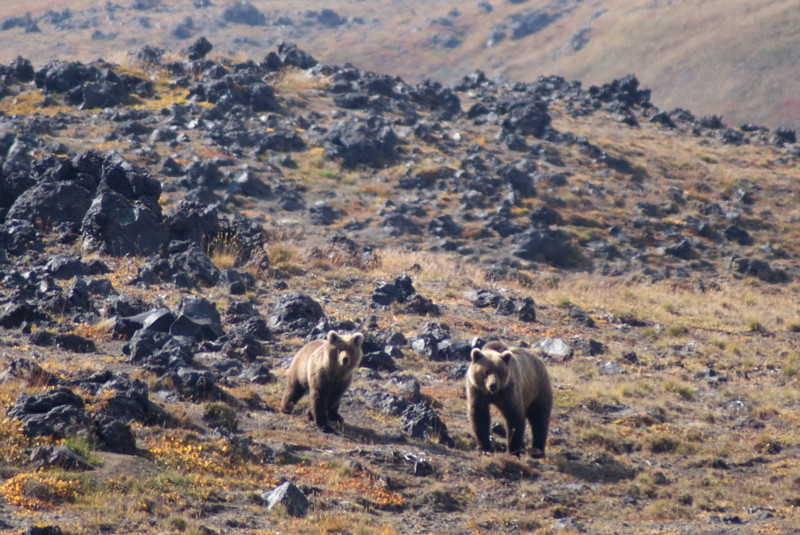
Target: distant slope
[{"x": 735, "y": 59}]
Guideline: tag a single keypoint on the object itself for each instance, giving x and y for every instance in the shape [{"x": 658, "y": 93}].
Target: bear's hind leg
[
  {"x": 515, "y": 428},
  {"x": 294, "y": 391},
  {"x": 539, "y": 418}
]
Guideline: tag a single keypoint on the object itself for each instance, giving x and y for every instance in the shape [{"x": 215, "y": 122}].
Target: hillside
[
  {"x": 174, "y": 226},
  {"x": 713, "y": 57}
]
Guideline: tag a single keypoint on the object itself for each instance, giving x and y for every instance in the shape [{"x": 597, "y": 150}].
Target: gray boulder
[{"x": 290, "y": 497}]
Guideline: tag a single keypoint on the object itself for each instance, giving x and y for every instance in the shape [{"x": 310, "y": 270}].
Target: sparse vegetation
[{"x": 681, "y": 382}]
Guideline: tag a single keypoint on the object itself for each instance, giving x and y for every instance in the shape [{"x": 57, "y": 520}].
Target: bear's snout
[
  {"x": 345, "y": 360},
  {"x": 492, "y": 386}
]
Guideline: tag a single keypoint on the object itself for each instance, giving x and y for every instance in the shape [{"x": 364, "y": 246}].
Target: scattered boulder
[
  {"x": 159, "y": 352},
  {"x": 58, "y": 413},
  {"x": 51, "y": 203},
  {"x": 555, "y": 349},
  {"x": 20, "y": 235},
  {"x": 529, "y": 22},
  {"x": 66, "y": 266},
  {"x": 371, "y": 142},
  {"x": 28, "y": 371},
  {"x": 183, "y": 264},
  {"x": 60, "y": 456},
  {"x": 296, "y": 313},
  {"x": 760, "y": 269},
  {"x": 524, "y": 117},
  {"x": 197, "y": 319},
  {"x": 288, "y": 55},
  {"x": 198, "y": 49},
  {"x": 243, "y": 12},
  {"x": 115, "y": 434},
  {"x": 398, "y": 291},
  {"x": 421, "y": 422},
  {"x": 548, "y": 246},
  {"x": 117, "y": 226},
  {"x": 288, "y": 496}
]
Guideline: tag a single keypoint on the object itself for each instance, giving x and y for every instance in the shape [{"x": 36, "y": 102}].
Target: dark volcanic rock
[
  {"x": 441, "y": 100},
  {"x": 421, "y": 421},
  {"x": 61, "y": 76},
  {"x": 14, "y": 315},
  {"x": 235, "y": 282},
  {"x": 195, "y": 385},
  {"x": 326, "y": 17},
  {"x": 20, "y": 70},
  {"x": 400, "y": 290},
  {"x": 288, "y": 55},
  {"x": 183, "y": 264},
  {"x": 423, "y": 306},
  {"x": 51, "y": 203},
  {"x": 626, "y": 92},
  {"x": 296, "y": 313},
  {"x": 65, "y": 266},
  {"x": 197, "y": 318},
  {"x": 74, "y": 343},
  {"x": 243, "y": 341},
  {"x": 90, "y": 86},
  {"x": 760, "y": 269},
  {"x": 115, "y": 435},
  {"x": 525, "y": 117},
  {"x": 378, "y": 360},
  {"x": 243, "y": 12},
  {"x": 242, "y": 88},
  {"x": 159, "y": 352},
  {"x": 148, "y": 54},
  {"x": 58, "y": 413},
  {"x": 117, "y": 226},
  {"x": 550, "y": 247},
  {"x": 60, "y": 456},
  {"x": 198, "y": 49},
  {"x": 530, "y": 22},
  {"x": 130, "y": 400},
  {"x": 370, "y": 142},
  {"x": 20, "y": 235}
]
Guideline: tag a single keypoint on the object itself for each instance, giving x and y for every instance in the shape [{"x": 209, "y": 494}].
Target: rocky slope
[
  {"x": 712, "y": 58},
  {"x": 174, "y": 228}
]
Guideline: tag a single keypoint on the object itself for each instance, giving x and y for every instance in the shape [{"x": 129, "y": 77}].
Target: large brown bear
[
  {"x": 516, "y": 382},
  {"x": 324, "y": 368}
]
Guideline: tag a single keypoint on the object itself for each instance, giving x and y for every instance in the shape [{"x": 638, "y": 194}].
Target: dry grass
[{"x": 225, "y": 250}]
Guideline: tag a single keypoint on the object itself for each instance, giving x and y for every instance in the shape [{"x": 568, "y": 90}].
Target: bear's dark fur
[
  {"x": 516, "y": 382},
  {"x": 324, "y": 368}
]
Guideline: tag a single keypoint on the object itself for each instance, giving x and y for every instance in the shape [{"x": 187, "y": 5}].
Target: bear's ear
[
  {"x": 476, "y": 355},
  {"x": 333, "y": 337},
  {"x": 506, "y": 356},
  {"x": 358, "y": 338}
]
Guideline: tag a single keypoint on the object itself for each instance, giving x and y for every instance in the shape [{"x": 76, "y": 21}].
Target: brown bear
[
  {"x": 516, "y": 382},
  {"x": 324, "y": 368}
]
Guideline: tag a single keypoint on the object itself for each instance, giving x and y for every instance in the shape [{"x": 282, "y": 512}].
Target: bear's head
[
  {"x": 344, "y": 350},
  {"x": 489, "y": 371}
]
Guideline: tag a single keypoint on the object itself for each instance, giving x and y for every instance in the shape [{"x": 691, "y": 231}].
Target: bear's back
[{"x": 529, "y": 375}]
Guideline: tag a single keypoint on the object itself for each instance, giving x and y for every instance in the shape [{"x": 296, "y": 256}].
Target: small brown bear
[
  {"x": 324, "y": 368},
  {"x": 516, "y": 382}
]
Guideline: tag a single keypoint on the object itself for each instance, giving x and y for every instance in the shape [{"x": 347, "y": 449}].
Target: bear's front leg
[
  {"x": 480, "y": 420},
  {"x": 334, "y": 401},
  {"x": 319, "y": 409},
  {"x": 294, "y": 391},
  {"x": 515, "y": 427}
]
